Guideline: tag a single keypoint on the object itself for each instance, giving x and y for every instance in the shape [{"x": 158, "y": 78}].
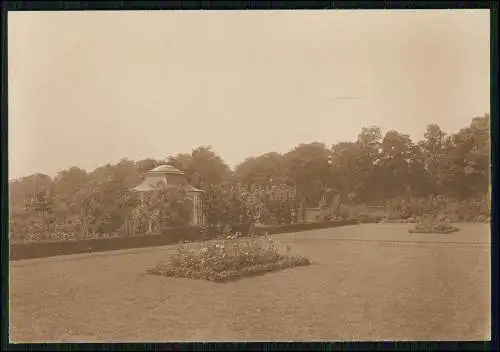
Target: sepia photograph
[{"x": 266, "y": 175}]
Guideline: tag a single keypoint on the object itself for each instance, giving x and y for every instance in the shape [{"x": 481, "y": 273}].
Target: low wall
[{"x": 169, "y": 236}]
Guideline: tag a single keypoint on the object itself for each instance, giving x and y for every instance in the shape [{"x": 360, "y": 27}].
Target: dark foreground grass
[{"x": 368, "y": 282}]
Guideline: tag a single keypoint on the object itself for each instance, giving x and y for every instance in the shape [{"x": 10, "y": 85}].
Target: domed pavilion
[{"x": 173, "y": 177}]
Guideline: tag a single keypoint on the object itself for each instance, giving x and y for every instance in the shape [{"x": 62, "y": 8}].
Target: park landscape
[
  {"x": 249, "y": 176},
  {"x": 404, "y": 253}
]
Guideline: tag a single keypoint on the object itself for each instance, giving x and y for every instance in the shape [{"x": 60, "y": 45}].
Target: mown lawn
[{"x": 367, "y": 282}]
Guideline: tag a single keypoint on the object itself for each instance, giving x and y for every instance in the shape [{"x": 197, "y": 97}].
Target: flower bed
[
  {"x": 432, "y": 226},
  {"x": 228, "y": 259}
]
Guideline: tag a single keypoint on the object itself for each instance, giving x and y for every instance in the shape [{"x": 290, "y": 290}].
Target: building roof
[
  {"x": 158, "y": 176},
  {"x": 166, "y": 169},
  {"x": 147, "y": 186}
]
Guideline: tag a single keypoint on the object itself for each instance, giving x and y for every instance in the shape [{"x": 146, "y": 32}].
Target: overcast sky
[{"x": 88, "y": 88}]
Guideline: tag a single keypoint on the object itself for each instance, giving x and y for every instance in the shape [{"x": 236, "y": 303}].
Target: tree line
[{"x": 374, "y": 168}]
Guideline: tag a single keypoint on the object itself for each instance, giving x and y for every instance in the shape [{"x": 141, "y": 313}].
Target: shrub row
[{"x": 168, "y": 236}]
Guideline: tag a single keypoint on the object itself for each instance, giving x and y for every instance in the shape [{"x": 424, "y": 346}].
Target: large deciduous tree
[
  {"x": 203, "y": 167},
  {"x": 308, "y": 169},
  {"x": 262, "y": 170}
]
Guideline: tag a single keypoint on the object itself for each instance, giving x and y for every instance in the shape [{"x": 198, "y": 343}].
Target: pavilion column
[
  {"x": 195, "y": 210},
  {"x": 200, "y": 220}
]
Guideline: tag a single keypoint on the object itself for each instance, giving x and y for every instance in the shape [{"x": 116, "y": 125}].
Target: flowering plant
[{"x": 228, "y": 258}]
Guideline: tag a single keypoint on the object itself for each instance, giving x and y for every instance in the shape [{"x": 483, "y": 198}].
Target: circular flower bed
[{"x": 431, "y": 226}]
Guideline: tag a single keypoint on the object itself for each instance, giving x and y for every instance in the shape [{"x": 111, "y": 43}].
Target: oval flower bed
[
  {"x": 227, "y": 259},
  {"x": 434, "y": 227}
]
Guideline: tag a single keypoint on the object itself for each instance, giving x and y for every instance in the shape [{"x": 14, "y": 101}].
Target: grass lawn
[{"x": 367, "y": 282}]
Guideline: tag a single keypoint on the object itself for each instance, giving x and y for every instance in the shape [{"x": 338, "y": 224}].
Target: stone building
[{"x": 172, "y": 177}]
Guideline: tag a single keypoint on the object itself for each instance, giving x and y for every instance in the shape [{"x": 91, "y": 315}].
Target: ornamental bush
[{"x": 434, "y": 225}]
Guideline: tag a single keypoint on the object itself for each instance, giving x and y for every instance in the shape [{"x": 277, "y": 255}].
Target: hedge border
[{"x": 32, "y": 250}]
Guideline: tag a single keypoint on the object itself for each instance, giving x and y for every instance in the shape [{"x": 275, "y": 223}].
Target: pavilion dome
[{"x": 166, "y": 169}]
